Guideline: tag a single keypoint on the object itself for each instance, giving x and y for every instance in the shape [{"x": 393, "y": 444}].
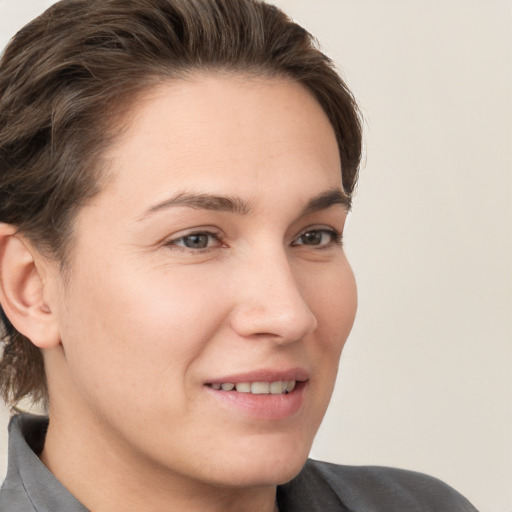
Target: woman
[{"x": 175, "y": 179}]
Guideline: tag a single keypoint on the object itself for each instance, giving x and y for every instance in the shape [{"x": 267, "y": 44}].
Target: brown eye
[
  {"x": 312, "y": 238},
  {"x": 317, "y": 237}
]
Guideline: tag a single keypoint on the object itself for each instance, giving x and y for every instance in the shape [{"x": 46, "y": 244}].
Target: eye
[
  {"x": 318, "y": 238},
  {"x": 197, "y": 241}
]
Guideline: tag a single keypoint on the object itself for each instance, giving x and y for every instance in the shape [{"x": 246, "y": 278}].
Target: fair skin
[{"x": 150, "y": 323}]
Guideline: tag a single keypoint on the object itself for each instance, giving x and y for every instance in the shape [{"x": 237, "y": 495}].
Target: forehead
[{"x": 223, "y": 133}]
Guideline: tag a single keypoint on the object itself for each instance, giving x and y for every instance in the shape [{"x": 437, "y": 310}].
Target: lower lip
[{"x": 264, "y": 407}]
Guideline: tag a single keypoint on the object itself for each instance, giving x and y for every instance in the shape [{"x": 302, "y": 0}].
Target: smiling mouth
[
  {"x": 259, "y": 396},
  {"x": 281, "y": 387}
]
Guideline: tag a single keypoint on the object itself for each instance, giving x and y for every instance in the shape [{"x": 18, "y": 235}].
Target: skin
[{"x": 144, "y": 322}]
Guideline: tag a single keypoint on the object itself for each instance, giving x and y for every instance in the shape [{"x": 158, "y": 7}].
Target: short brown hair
[{"x": 64, "y": 79}]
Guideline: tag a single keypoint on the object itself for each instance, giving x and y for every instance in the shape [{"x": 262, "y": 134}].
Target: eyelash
[{"x": 335, "y": 238}]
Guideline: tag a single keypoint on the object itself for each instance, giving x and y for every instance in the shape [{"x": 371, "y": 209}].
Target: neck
[{"x": 104, "y": 476}]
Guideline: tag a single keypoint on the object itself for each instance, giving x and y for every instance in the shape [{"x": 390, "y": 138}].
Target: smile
[
  {"x": 266, "y": 395},
  {"x": 257, "y": 388}
]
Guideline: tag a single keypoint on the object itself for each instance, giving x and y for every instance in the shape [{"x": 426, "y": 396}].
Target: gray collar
[{"x": 29, "y": 485}]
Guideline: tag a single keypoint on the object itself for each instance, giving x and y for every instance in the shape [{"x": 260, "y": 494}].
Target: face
[{"x": 209, "y": 296}]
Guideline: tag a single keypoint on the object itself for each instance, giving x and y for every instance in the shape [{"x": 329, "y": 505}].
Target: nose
[{"x": 269, "y": 301}]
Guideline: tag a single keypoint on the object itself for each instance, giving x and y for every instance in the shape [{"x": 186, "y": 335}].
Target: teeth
[
  {"x": 258, "y": 388},
  {"x": 290, "y": 385},
  {"x": 243, "y": 387},
  {"x": 276, "y": 388}
]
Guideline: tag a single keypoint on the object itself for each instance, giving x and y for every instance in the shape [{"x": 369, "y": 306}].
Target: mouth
[
  {"x": 264, "y": 395},
  {"x": 279, "y": 387}
]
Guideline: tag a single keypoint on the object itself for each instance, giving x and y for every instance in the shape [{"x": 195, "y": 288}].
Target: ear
[{"x": 22, "y": 288}]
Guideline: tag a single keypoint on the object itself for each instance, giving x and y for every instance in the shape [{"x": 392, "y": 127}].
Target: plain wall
[{"x": 425, "y": 380}]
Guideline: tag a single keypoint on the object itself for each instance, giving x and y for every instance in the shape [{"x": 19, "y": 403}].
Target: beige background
[{"x": 425, "y": 380}]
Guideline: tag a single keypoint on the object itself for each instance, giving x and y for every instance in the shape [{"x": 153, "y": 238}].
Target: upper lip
[{"x": 264, "y": 375}]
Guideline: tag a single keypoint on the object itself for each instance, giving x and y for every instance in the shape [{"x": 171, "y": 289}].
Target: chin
[
  {"x": 262, "y": 475},
  {"x": 266, "y": 464}
]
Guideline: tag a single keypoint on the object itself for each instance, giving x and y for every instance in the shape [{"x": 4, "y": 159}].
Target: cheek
[
  {"x": 139, "y": 332},
  {"x": 335, "y": 309},
  {"x": 333, "y": 300}
]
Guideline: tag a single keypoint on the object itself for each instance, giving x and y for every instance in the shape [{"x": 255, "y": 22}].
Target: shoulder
[{"x": 321, "y": 485}]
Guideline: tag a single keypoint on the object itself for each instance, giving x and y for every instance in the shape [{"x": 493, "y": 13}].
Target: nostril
[{"x": 278, "y": 325}]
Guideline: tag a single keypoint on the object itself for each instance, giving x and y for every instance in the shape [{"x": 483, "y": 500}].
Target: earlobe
[{"x": 22, "y": 290}]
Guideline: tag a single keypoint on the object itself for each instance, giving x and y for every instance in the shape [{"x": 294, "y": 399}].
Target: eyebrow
[
  {"x": 240, "y": 206},
  {"x": 327, "y": 199}
]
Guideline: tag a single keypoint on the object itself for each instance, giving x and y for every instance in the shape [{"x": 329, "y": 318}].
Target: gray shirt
[{"x": 319, "y": 487}]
